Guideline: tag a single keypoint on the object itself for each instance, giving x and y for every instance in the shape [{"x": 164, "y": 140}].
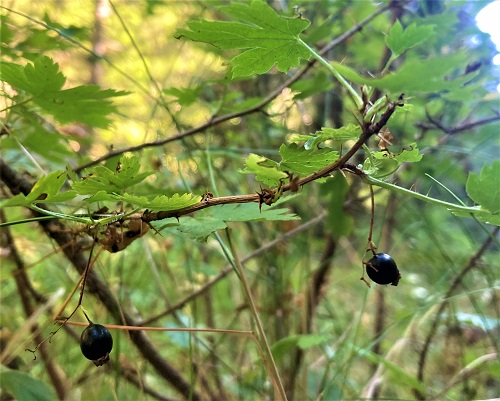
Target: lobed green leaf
[
  {"x": 102, "y": 179},
  {"x": 200, "y": 228},
  {"x": 251, "y": 212},
  {"x": 484, "y": 188},
  {"x": 384, "y": 163},
  {"x": 35, "y": 79},
  {"x": 416, "y": 76},
  {"x": 184, "y": 96},
  {"x": 43, "y": 81},
  {"x": 215, "y": 218},
  {"x": 267, "y": 38},
  {"x": 399, "y": 40},
  {"x": 46, "y": 190},
  {"x": 161, "y": 202},
  {"x": 305, "y": 161},
  {"x": 346, "y": 133},
  {"x": 265, "y": 170},
  {"x": 481, "y": 215}
]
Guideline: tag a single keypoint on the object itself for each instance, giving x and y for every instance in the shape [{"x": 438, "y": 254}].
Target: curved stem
[{"x": 354, "y": 95}]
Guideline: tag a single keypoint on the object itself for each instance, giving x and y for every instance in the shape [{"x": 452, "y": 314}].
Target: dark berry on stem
[
  {"x": 383, "y": 270},
  {"x": 96, "y": 343}
]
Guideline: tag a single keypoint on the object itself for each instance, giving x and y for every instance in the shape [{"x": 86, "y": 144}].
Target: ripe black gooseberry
[
  {"x": 96, "y": 343},
  {"x": 382, "y": 269}
]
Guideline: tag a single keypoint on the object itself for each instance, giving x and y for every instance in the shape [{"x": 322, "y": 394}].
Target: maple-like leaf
[
  {"x": 484, "y": 188},
  {"x": 107, "y": 181},
  {"x": 400, "y": 40},
  {"x": 46, "y": 190},
  {"x": 306, "y": 161},
  {"x": 42, "y": 82},
  {"x": 265, "y": 170},
  {"x": 267, "y": 38}
]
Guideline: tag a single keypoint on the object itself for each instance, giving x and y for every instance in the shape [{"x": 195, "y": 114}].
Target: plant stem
[
  {"x": 77, "y": 219},
  {"x": 270, "y": 364},
  {"x": 354, "y": 95},
  {"x": 387, "y": 185}
]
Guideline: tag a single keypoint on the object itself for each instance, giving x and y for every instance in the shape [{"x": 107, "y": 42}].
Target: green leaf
[
  {"x": 265, "y": 170},
  {"x": 24, "y": 387},
  {"x": 384, "y": 163},
  {"x": 34, "y": 134},
  {"x": 42, "y": 81},
  {"x": 410, "y": 155},
  {"x": 379, "y": 168},
  {"x": 87, "y": 104},
  {"x": 399, "y": 41},
  {"x": 6, "y": 32},
  {"x": 46, "y": 190},
  {"x": 100, "y": 196},
  {"x": 346, "y": 133},
  {"x": 267, "y": 38},
  {"x": 484, "y": 189},
  {"x": 481, "y": 215},
  {"x": 103, "y": 179},
  {"x": 215, "y": 218},
  {"x": 284, "y": 346},
  {"x": 200, "y": 228},
  {"x": 416, "y": 76},
  {"x": 36, "y": 79},
  {"x": 251, "y": 212},
  {"x": 161, "y": 202},
  {"x": 304, "y": 161}
]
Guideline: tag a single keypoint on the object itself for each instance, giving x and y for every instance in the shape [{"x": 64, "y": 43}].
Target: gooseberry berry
[
  {"x": 96, "y": 343},
  {"x": 382, "y": 269}
]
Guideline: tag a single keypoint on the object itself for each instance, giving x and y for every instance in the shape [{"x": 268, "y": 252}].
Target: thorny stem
[
  {"x": 148, "y": 216},
  {"x": 387, "y": 185},
  {"x": 368, "y": 131}
]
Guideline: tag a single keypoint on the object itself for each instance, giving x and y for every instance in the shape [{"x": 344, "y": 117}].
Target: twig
[
  {"x": 368, "y": 131},
  {"x": 459, "y": 128}
]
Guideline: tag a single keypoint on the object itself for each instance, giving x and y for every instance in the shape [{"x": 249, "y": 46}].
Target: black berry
[
  {"x": 96, "y": 343},
  {"x": 383, "y": 270}
]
